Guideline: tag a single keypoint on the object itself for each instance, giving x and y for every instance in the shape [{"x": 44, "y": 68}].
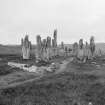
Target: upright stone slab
[
  {"x": 44, "y": 52},
  {"x": 26, "y": 47},
  {"x": 48, "y": 42},
  {"x": 100, "y": 53},
  {"x": 87, "y": 52},
  {"x": 55, "y": 38},
  {"x": 81, "y": 44},
  {"x": 53, "y": 48},
  {"x": 38, "y": 47},
  {"x": 66, "y": 50},
  {"x": 81, "y": 50},
  {"x": 80, "y": 54},
  {"x": 55, "y": 43},
  {"x": 75, "y": 49},
  {"x": 62, "y": 45},
  {"x": 48, "y": 47},
  {"x": 92, "y": 46}
]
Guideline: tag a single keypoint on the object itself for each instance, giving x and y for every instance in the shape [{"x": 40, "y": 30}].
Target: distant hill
[
  {"x": 12, "y": 49},
  {"x": 100, "y": 46},
  {"x": 16, "y": 49}
]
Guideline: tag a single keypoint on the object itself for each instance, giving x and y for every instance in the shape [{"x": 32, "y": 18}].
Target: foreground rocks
[{"x": 53, "y": 67}]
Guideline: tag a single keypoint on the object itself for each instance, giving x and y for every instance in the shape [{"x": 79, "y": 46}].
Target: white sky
[{"x": 74, "y": 19}]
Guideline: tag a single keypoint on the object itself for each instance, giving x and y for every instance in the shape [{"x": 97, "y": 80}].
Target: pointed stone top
[
  {"x": 55, "y": 31},
  {"x": 26, "y": 37}
]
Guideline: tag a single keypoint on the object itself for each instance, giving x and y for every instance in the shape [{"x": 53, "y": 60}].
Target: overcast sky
[{"x": 74, "y": 19}]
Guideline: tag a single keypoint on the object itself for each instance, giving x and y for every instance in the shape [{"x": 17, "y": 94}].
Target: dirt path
[{"x": 61, "y": 69}]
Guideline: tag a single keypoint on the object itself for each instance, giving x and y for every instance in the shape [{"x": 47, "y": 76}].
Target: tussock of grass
[
  {"x": 59, "y": 89},
  {"x": 63, "y": 89}
]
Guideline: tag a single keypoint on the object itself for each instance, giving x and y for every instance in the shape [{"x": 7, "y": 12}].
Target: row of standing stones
[{"x": 47, "y": 49}]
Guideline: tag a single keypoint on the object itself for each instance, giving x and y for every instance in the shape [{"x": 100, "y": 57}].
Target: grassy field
[{"x": 79, "y": 83}]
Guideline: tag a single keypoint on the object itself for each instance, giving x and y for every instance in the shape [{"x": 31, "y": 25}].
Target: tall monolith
[
  {"x": 48, "y": 49},
  {"x": 38, "y": 47},
  {"x": 62, "y": 45},
  {"x": 55, "y": 49},
  {"x": 55, "y": 38},
  {"x": 75, "y": 49},
  {"x": 92, "y": 46},
  {"x": 80, "y": 54},
  {"x": 26, "y": 47}
]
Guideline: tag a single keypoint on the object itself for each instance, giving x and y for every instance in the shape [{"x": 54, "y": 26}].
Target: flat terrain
[{"x": 79, "y": 83}]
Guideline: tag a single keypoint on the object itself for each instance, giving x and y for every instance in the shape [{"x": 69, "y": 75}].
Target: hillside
[{"x": 12, "y": 49}]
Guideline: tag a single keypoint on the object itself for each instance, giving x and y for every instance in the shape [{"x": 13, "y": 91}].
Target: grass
[
  {"x": 76, "y": 84},
  {"x": 63, "y": 89}
]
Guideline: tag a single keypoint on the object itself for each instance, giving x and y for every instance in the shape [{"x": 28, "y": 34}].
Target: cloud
[{"x": 72, "y": 18}]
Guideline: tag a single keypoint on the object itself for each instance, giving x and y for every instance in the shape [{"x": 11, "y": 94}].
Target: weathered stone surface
[
  {"x": 84, "y": 52},
  {"x": 75, "y": 49},
  {"x": 62, "y": 45},
  {"x": 47, "y": 48},
  {"x": 48, "y": 42},
  {"x": 48, "y": 55},
  {"x": 55, "y": 38},
  {"x": 66, "y": 50},
  {"x": 26, "y": 47},
  {"x": 81, "y": 44},
  {"x": 92, "y": 46},
  {"x": 87, "y": 52},
  {"x": 38, "y": 40},
  {"x": 38, "y": 48},
  {"x": 53, "y": 45},
  {"x": 80, "y": 54},
  {"x": 53, "y": 48}
]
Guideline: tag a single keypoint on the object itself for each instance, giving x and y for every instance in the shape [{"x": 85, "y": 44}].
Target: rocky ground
[{"x": 77, "y": 83}]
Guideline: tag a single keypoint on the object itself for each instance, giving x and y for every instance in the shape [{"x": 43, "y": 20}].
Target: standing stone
[
  {"x": 81, "y": 50},
  {"x": 48, "y": 42},
  {"x": 87, "y": 51},
  {"x": 26, "y": 47},
  {"x": 53, "y": 45},
  {"x": 55, "y": 50},
  {"x": 48, "y": 47},
  {"x": 55, "y": 38},
  {"x": 66, "y": 51},
  {"x": 80, "y": 54},
  {"x": 92, "y": 46},
  {"x": 99, "y": 52},
  {"x": 75, "y": 49},
  {"x": 81, "y": 44},
  {"x": 61, "y": 50},
  {"x": 62, "y": 45},
  {"x": 38, "y": 39},
  {"x": 39, "y": 47},
  {"x": 44, "y": 53}
]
